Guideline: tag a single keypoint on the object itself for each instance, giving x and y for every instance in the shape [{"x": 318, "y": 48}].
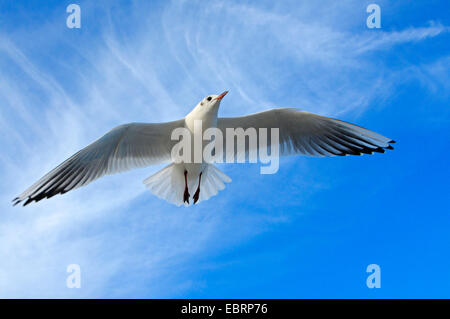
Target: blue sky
[{"x": 308, "y": 231}]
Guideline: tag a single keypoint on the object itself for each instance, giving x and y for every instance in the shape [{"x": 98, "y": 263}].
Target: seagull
[{"x": 137, "y": 145}]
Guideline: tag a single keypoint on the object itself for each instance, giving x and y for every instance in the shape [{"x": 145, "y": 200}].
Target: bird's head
[
  {"x": 208, "y": 106},
  {"x": 210, "y": 103}
]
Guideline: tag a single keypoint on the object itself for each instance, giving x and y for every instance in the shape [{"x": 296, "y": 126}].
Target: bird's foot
[
  {"x": 186, "y": 196},
  {"x": 196, "y": 195},
  {"x": 197, "y": 192}
]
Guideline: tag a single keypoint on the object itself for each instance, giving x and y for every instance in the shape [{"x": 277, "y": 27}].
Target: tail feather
[
  {"x": 213, "y": 181},
  {"x": 168, "y": 183},
  {"x": 165, "y": 185}
]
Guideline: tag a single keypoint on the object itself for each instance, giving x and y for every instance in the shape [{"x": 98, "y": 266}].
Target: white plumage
[{"x": 138, "y": 144}]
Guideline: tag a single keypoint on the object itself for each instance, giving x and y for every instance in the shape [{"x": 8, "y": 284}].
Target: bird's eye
[{"x": 209, "y": 98}]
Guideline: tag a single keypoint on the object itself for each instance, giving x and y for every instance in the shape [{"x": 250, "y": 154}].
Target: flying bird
[{"x": 142, "y": 144}]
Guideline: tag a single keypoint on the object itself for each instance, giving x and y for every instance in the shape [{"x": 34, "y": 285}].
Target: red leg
[
  {"x": 197, "y": 192},
  {"x": 186, "y": 192}
]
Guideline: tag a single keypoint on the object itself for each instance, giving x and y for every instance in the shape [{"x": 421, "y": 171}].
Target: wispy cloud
[{"x": 155, "y": 67}]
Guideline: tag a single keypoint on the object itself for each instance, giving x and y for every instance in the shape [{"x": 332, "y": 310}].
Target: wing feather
[
  {"x": 124, "y": 147},
  {"x": 310, "y": 134}
]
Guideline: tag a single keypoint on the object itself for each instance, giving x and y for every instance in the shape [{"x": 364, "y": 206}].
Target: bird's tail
[{"x": 168, "y": 183}]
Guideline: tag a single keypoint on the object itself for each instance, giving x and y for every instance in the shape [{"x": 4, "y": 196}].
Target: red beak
[{"x": 221, "y": 95}]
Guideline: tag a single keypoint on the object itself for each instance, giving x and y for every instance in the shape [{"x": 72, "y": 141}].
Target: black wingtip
[
  {"x": 392, "y": 141},
  {"x": 15, "y": 201},
  {"x": 29, "y": 200},
  {"x": 379, "y": 150}
]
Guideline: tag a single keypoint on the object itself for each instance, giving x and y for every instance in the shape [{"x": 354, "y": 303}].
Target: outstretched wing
[
  {"x": 309, "y": 134},
  {"x": 124, "y": 147}
]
